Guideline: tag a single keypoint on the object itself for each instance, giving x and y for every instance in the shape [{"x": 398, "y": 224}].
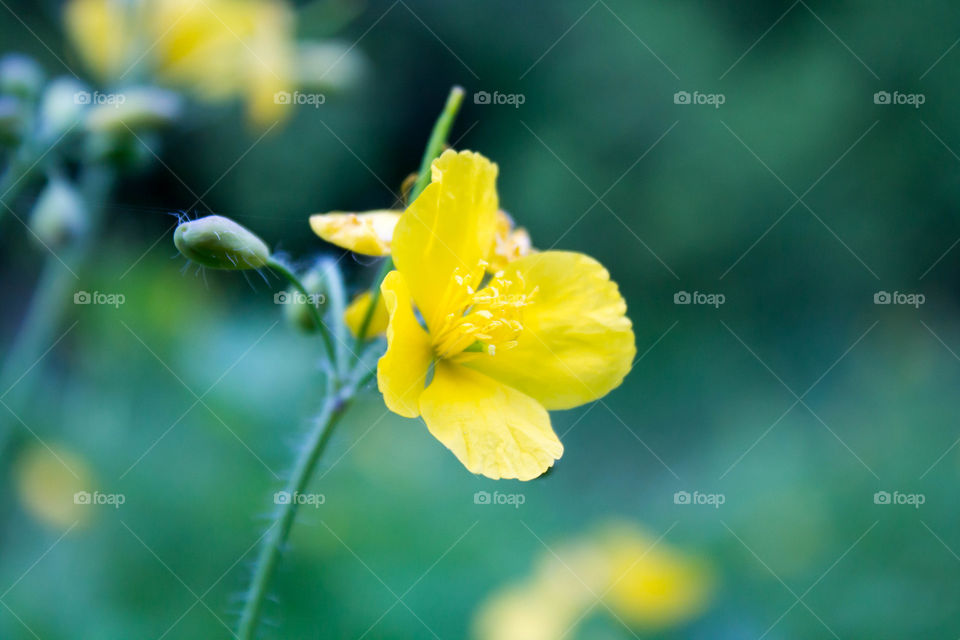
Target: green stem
[
  {"x": 15, "y": 178},
  {"x": 285, "y": 271},
  {"x": 335, "y": 404},
  {"x": 337, "y": 301},
  {"x": 338, "y": 398},
  {"x": 53, "y": 292},
  {"x": 438, "y": 138}
]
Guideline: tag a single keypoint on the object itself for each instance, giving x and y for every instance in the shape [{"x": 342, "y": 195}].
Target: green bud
[
  {"x": 20, "y": 76},
  {"x": 297, "y": 306},
  {"x": 62, "y": 105},
  {"x": 59, "y": 216},
  {"x": 136, "y": 109},
  {"x": 220, "y": 243},
  {"x": 11, "y": 120}
]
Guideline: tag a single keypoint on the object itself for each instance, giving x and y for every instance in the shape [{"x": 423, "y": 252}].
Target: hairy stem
[
  {"x": 339, "y": 394},
  {"x": 291, "y": 277},
  {"x": 438, "y": 138},
  {"x": 335, "y": 404}
]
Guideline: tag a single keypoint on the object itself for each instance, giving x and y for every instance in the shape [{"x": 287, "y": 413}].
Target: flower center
[{"x": 491, "y": 318}]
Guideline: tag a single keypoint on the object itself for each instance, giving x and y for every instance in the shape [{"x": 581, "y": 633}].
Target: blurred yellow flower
[
  {"x": 46, "y": 481},
  {"x": 357, "y": 311},
  {"x": 216, "y": 49},
  {"x": 548, "y": 332},
  {"x": 645, "y": 583},
  {"x": 371, "y": 232}
]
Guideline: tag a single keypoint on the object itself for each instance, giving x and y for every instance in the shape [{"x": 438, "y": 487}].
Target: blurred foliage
[{"x": 399, "y": 518}]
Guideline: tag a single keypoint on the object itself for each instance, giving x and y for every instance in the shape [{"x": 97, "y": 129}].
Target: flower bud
[
  {"x": 220, "y": 243},
  {"x": 61, "y": 106},
  {"x": 297, "y": 311},
  {"x": 20, "y": 76},
  {"x": 12, "y": 120},
  {"x": 59, "y": 216},
  {"x": 136, "y": 109}
]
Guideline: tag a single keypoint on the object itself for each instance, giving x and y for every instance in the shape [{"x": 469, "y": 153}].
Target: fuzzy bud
[
  {"x": 20, "y": 76},
  {"x": 61, "y": 107},
  {"x": 59, "y": 216},
  {"x": 297, "y": 310},
  {"x": 220, "y": 243}
]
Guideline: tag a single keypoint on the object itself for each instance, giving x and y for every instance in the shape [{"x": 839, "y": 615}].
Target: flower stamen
[{"x": 491, "y": 316}]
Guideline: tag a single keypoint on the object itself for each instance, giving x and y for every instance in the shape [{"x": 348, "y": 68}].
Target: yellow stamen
[{"x": 492, "y": 316}]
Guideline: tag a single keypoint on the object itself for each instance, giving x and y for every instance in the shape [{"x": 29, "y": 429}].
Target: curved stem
[
  {"x": 438, "y": 138},
  {"x": 52, "y": 293},
  {"x": 333, "y": 407},
  {"x": 339, "y": 395},
  {"x": 285, "y": 271}
]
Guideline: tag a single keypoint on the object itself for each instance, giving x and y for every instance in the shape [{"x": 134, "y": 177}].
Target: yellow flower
[
  {"x": 46, "y": 481},
  {"x": 357, "y": 311},
  {"x": 548, "y": 332},
  {"x": 216, "y": 49},
  {"x": 645, "y": 582},
  {"x": 370, "y": 233},
  {"x": 654, "y": 585}
]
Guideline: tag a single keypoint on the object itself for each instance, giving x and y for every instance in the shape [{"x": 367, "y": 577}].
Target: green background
[{"x": 685, "y": 193}]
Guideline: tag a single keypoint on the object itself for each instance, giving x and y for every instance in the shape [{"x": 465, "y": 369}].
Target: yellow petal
[
  {"x": 368, "y": 233},
  {"x": 102, "y": 33},
  {"x": 402, "y": 371},
  {"x": 492, "y": 429},
  {"x": 270, "y": 64},
  {"x": 357, "y": 311},
  {"x": 450, "y": 227},
  {"x": 577, "y": 342}
]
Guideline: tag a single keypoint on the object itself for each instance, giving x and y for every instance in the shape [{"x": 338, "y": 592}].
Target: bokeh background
[{"x": 796, "y": 400}]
